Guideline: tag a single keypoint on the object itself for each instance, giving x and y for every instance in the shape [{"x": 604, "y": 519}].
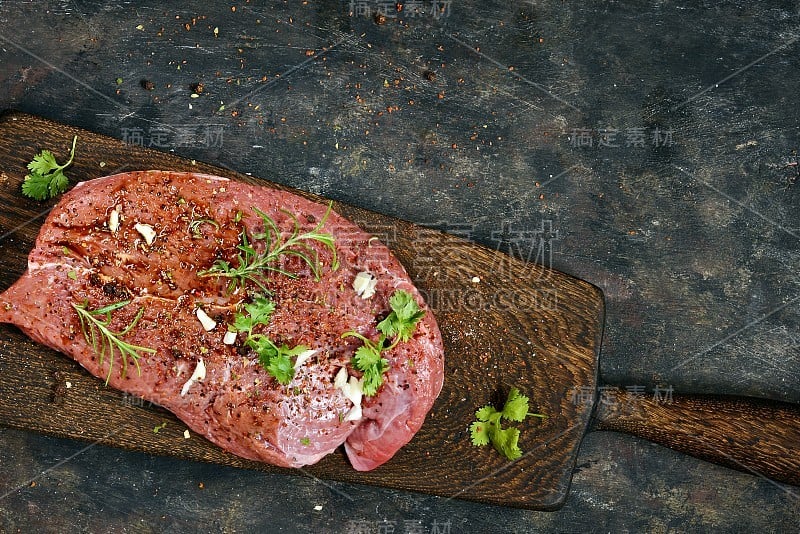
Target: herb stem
[
  {"x": 71, "y": 154},
  {"x": 253, "y": 266},
  {"x": 103, "y": 340}
]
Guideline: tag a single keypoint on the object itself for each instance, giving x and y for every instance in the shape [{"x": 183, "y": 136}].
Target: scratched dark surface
[{"x": 476, "y": 121}]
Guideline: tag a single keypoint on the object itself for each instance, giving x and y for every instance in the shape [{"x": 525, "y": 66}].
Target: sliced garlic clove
[
  {"x": 198, "y": 375},
  {"x": 229, "y": 338},
  {"x": 207, "y": 322},
  {"x": 303, "y": 357},
  {"x": 364, "y": 284},
  {"x": 113, "y": 220},
  {"x": 147, "y": 232}
]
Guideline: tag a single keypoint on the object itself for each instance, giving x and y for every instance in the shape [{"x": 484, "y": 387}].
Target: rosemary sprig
[
  {"x": 253, "y": 266},
  {"x": 103, "y": 340}
]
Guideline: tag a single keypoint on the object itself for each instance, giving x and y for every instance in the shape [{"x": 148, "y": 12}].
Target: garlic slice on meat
[
  {"x": 198, "y": 376},
  {"x": 229, "y": 338},
  {"x": 208, "y": 323},
  {"x": 303, "y": 357},
  {"x": 364, "y": 284},
  {"x": 341, "y": 378},
  {"x": 353, "y": 390},
  {"x": 113, "y": 220},
  {"x": 147, "y": 232}
]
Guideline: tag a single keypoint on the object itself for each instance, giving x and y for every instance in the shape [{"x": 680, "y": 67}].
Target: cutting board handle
[{"x": 752, "y": 435}]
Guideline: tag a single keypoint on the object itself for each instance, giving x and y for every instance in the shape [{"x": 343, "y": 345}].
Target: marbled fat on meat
[{"x": 78, "y": 259}]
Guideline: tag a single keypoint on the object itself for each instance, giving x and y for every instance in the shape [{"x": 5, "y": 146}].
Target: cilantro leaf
[
  {"x": 43, "y": 162},
  {"x": 506, "y": 442},
  {"x": 293, "y": 352},
  {"x": 36, "y": 186},
  {"x": 368, "y": 360},
  {"x": 485, "y": 413},
  {"x": 403, "y": 318},
  {"x": 516, "y": 407},
  {"x": 488, "y": 427},
  {"x": 366, "y": 356},
  {"x": 280, "y": 366},
  {"x": 242, "y": 322},
  {"x": 400, "y": 324},
  {"x": 372, "y": 381},
  {"x": 276, "y": 360},
  {"x": 46, "y": 178},
  {"x": 58, "y": 184},
  {"x": 258, "y": 312},
  {"x": 480, "y": 433},
  {"x": 264, "y": 347}
]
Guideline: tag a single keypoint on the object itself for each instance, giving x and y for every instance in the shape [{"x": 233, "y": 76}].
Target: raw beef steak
[{"x": 138, "y": 256}]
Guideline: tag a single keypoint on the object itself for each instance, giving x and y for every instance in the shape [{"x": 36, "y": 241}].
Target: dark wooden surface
[
  {"x": 694, "y": 242},
  {"x": 518, "y": 325},
  {"x": 758, "y": 437}
]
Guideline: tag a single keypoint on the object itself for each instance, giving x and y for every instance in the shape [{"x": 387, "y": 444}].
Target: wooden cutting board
[{"x": 521, "y": 325}]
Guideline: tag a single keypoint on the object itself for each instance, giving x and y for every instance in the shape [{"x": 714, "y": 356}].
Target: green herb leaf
[
  {"x": 505, "y": 441},
  {"x": 242, "y": 322},
  {"x": 194, "y": 226},
  {"x": 368, "y": 360},
  {"x": 479, "y": 430},
  {"x": 277, "y": 360},
  {"x": 485, "y": 413},
  {"x": 403, "y": 319},
  {"x": 488, "y": 427},
  {"x": 280, "y": 366},
  {"x": 46, "y": 178},
  {"x": 36, "y": 186},
  {"x": 516, "y": 407},
  {"x": 258, "y": 312},
  {"x": 305, "y": 441},
  {"x": 43, "y": 162},
  {"x": 400, "y": 324},
  {"x": 366, "y": 356}
]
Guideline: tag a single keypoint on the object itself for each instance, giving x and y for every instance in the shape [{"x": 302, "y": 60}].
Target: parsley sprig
[
  {"x": 488, "y": 427},
  {"x": 96, "y": 328},
  {"x": 46, "y": 178},
  {"x": 276, "y": 359},
  {"x": 400, "y": 325},
  {"x": 253, "y": 266}
]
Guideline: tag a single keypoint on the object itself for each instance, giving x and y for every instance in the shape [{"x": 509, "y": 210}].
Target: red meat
[{"x": 197, "y": 220}]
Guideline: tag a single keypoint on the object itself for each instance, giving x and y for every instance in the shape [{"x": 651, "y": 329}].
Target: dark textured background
[{"x": 476, "y": 122}]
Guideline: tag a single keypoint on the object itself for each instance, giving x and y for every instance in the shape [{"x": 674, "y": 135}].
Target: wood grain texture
[
  {"x": 759, "y": 437},
  {"x": 522, "y": 325}
]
